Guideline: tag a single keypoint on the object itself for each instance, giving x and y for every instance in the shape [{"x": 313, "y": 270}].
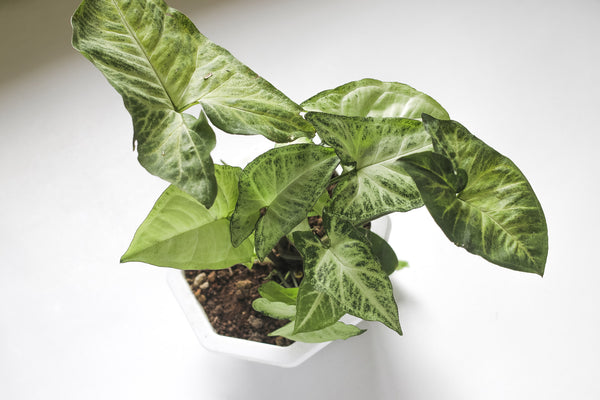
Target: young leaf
[
  {"x": 376, "y": 185},
  {"x": 315, "y": 310},
  {"x": 373, "y": 98},
  {"x": 284, "y": 183},
  {"x": 336, "y": 331},
  {"x": 495, "y": 213},
  {"x": 274, "y": 309},
  {"x": 275, "y": 292},
  {"x": 181, "y": 233},
  {"x": 275, "y": 303},
  {"x": 347, "y": 270}
]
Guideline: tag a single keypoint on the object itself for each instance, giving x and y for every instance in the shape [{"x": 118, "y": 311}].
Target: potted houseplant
[{"x": 344, "y": 158}]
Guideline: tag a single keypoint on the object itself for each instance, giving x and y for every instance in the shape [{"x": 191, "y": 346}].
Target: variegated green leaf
[
  {"x": 376, "y": 185},
  {"x": 337, "y": 331},
  {"x": 181, "y": 233},
  {"x": 154, "y": 54},
  {"x": 346, "y": 269},
  {"x": 322, "y": 201},
  {"x": 315, "y": 309},
  {"x": 373, "y": 98},
  {"x": 246, "y": 104},
  {"x": 495, "y": 213},
  {"x": 161, "y": 65},
  {"x": 176, "y": 147},
  {"x": 283, "y": 184}
]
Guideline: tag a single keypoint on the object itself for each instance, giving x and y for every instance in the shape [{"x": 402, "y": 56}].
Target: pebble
[
  {"x": 243, "y": 289},
  {"x": 212, "y": 277},
  {"x": 239, "y": 295},
  {"x": 255, "y": 337},
  {"x": 243, "y": 284},
  {"x": 255, "y": 322},
  {"x": 204, "y": 286},
  {"x": 199, "y": 279},
  {"x": 224, "y": 274}
]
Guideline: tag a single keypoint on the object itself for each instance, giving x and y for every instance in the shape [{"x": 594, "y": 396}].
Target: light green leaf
[
  {"x": 272, "y": 291},
  {"x": 375, "y": 184},
  {"x": 402, "y": 264},
  {"x": 373, "y": 98},
  {"x": 161, "y": 65},
  {"x": 274, "y": 309},
  {"x": 346, "y": 269},
  {"x": 337, "y": 331},
  {"x": 284, "y": 183},
  {"x": 315, "y": 310},
  {"x": 494, "y": 212},
  {"x": 181, "y": 233}
]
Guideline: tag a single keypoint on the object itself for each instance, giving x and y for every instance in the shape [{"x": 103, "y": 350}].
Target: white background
[{"x": 522, "y": 75}]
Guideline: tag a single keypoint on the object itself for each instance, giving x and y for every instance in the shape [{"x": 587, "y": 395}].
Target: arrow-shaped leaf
[
  {"x": 373, "y": 98},
  {"x": 181, "y": 233},
  {"x": 161, "y": 65},
  {"x": 376, "y": 185},
  {"x": 283, "y": 184},
  {"x": 495, "y": 213},
  {"x": 347, "y": 270}
]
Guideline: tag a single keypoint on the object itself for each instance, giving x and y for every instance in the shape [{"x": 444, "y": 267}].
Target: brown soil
[{"x": 227, "y": 296}]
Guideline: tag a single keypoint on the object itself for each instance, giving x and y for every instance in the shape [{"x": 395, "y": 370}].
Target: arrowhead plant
[{"x": 382, "y": 147}]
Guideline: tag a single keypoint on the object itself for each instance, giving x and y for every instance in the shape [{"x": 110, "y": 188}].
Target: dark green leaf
[
  {"x": 383, "y": 251},
  {"x": 489, "y": 208}
]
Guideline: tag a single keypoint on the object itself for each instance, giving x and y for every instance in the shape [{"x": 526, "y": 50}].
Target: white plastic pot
[{"x": 289, "y": 356}]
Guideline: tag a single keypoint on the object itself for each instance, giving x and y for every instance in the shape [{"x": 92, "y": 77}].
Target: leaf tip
[{"x": 425, "y": 116}]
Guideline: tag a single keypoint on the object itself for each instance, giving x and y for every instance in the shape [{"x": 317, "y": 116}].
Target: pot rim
[{"x": 282, "y": 356}]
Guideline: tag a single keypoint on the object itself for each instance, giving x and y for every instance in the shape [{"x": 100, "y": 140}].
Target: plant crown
[{"x": 396, "y": 148}]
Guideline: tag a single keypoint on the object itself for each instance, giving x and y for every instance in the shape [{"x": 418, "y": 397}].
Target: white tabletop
[{"x": 520, "y": 74}]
